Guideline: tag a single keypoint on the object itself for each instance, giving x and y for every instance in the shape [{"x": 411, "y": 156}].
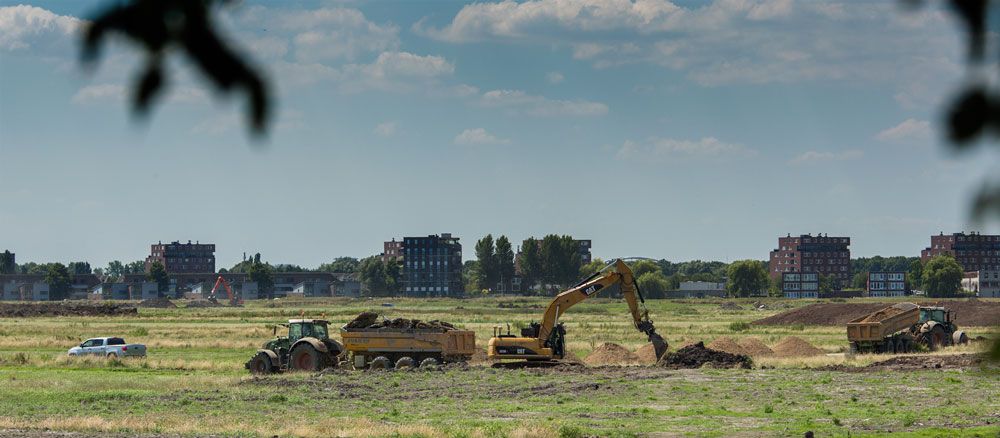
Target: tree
[
  {"x": 115, "y": 271},
  {"x": 58, "y": 279},
  {"x": 746, "y": 278},
  {"x": 915, "y": 274},
  {"x": 827, "y": 283},
  {"x": 591, "y": 268},
  {"x": 340, "y": 265},
  {"x": 560, "y": 259},
  {"x": 860, "y": 280},
  {"x": 393, "y": 277},
  {"x": 942, "y": 276},
  {"x": 263, "y": 275},
  {"x": 79, "y": 268},
  {"x": 486, "y": 256},
  {"x": 653, "y": 284},
  {"x": 136, "y": 267},
  {"x": 7, "y": 264},
  {"x": 158, "y": 273},
  {"x": 775, "y": 287},
  {"x": 371, "y": 271},
  {"x": 530, "y": 264},
  {"x": 470, "y": 275},
  {"x": 643, "y": 266},
  {"x": 505, "y": 262}
]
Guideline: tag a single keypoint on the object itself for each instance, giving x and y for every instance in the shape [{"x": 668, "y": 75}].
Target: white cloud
[
  {"x": 812, "y": 157},
  {"x": 554, "y": 77},
  {"x": 385, "y": 129},
  {"x": 909, "y": 130},
  {"x": 25, "y": 27},
  {"x": 674, "y": 149},
  {"x": 478, "y": 136},
  {"x": 517, "y": 101},
  {"x": 119, "y": 93}
]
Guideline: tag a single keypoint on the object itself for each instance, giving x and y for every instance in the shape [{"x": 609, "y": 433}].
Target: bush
[{"x": 739, "y": 326}]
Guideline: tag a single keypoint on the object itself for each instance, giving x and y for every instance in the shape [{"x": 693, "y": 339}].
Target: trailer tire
[
  {"x": 429, "y": 362},
  {"x": 261, "y": 364},
  {"x": 405, "y": 362},
  {"x": 380, "y": 363}
]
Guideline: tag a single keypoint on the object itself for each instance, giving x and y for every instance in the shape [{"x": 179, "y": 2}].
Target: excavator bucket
[{"x": 659, "y": 344}]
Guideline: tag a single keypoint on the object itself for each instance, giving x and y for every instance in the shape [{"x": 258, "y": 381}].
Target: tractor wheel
[
  {"x": 430, "y": 362},
  {"x": 959, "y": 338},
  {"x": 261, "y": 364},
  {"x": 380, "y": 363},
  {"x": 405, "y": 362},
  {"x": 305, "y": 358},
  {"x": 936, "y": 338}
]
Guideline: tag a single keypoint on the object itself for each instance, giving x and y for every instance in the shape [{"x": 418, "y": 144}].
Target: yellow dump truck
[
  {"x": 406, "y": 343},
  {"x": 900, "y": 328}
]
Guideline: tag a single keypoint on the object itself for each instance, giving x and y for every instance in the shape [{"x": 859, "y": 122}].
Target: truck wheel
[
  {"x": 380, "y": 363},
  {"x": 261, "y": 364},
  {"x": 959, "y": 338},
  {"x": 405, "y": 362},
  {"x": 112, "y": 356},
  {"x": 305, "y": 358},
  {"x": 430, "y": 362}
]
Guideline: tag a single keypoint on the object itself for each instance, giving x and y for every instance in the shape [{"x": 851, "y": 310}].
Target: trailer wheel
[
  {"x": 429, "y": 362},
  {"x": 261, "y": 364},
  {"x": 380, "y": 363},
  {"x": 405, "y": 362}
]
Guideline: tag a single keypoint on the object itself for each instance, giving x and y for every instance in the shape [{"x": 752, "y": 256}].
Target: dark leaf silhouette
[
  {"x": 968, "y": 117},
  {"x": 160, "y": 25}
]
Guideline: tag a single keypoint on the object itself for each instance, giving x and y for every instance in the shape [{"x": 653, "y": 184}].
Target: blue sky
[{"x": 684, "y": 130}]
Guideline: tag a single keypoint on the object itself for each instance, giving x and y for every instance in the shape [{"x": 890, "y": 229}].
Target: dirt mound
[
  {"x": 22, "y": 310},
  {"x": 916, "y": 363},
  {"x": 369, "y": 320},
  {"x": 570, "y": 357},
  {"x": 697, "y": 355},
  {"x": 157, "y": 303},
  {"x": 754, "y": 347},
  {"x": 883, "y": 314},
  {"x": 726, "y": 344},
  {"x": 969, "y": 313},
  {"x": 646, "y": 355},
  {"x": 729, "y": 305},
  {"x": 203, "y": 303},
  {"x": 794, "y": 346},
  {"x": 610, "y": 354}
]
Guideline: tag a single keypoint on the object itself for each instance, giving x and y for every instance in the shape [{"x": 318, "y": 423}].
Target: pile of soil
[
  {"x": 480, "y": 357},
  {"x": 610, "y": 354},
  {"x": 754, "y": 347},
  {"x": 916, "y": 363},
  {"x": 794, "y": 346},
  {"x": 157, "y": 303},
  {"x": 883, "y": 314},
  {"x": 646, "y": 355},
  {"x": 729, "y": 305},
  {"x": 369, "y": 320},
  {"x": 697, "y": 356},
  {"x": 21, "y": 310},
  {"x": 969, "y": 313},
  {"x": 726, "y": 344},
  {"x": 203, "y": 303}
]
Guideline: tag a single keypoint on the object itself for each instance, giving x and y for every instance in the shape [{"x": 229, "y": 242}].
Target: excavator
[
  {"x": 234, "y": 299},
  {"x": 544, "y": 343}
]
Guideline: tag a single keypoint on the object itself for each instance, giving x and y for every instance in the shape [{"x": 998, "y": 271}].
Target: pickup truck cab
[{"x": 108, "y": 347}]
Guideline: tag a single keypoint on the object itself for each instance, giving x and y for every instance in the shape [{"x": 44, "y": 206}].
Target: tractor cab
[
  {"x": 298, "y": 329},
  {"x": 936, "y": 314}
]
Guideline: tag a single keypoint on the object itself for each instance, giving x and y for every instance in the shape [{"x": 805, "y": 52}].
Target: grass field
[{"x": 193, "y": 381}]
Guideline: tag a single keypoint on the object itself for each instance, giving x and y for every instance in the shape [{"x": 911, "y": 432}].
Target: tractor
[{"x": 307, "y": 347}]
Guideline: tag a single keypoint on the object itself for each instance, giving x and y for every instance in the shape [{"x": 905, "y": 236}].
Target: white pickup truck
[{"x": 108, "y": 347}]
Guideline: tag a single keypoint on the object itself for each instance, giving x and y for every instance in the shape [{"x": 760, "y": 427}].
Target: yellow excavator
[{"x": 545, "y": 342}]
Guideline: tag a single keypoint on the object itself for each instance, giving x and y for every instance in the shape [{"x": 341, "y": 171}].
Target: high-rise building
[
  {"x": 180, "y": 258},
  {"x": 821, "y": 254},
  {"x": 432, "y": 266},
  {"x": 974, "y": 251}
]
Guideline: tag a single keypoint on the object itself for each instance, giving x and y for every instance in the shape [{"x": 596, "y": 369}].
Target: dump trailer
[
  {"x": 904, "y": 328},
  {"x": 390, "y": 347}
]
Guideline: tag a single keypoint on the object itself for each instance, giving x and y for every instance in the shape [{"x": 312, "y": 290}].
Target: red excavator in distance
[{"x": 234, "y": 299}]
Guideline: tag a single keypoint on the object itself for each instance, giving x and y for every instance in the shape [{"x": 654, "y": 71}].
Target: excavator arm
[{"x": 616, "y": 272}]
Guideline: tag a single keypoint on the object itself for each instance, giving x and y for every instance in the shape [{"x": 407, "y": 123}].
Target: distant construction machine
[
  {"x": 233, "y": 298},
  {"x": 545, "y": 342},
  {"x": 902, "y": 328}
]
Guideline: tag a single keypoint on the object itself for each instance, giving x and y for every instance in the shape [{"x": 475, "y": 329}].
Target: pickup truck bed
[{"x": 108, "y": 347}]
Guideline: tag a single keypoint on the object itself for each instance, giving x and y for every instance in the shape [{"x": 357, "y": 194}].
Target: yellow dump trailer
[
  {"x": 878, "y": 325},
  {"x": 402, "y": 348}
]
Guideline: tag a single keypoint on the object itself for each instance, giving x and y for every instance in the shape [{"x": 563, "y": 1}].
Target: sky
[{"x": 679, "y": 130}]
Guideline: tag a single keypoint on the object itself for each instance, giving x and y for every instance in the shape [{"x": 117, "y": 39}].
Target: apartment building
[
  {"x": 973, "y": 251},
  {"x": 392, "y": 250},
  {"x": 183, "y": 258},
  {"x": 800, "y": 284},
  {"x": 886, "y": 284},
  {"x": 432, "y": 266},
  {"x": 819, "y": 254},
  {"x": 985, "y": 284}
]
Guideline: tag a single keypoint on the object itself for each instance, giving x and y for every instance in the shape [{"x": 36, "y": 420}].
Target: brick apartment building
[
  {"x": 974, "y": 251},
  {"x": 820, "y": 254},
  {"x": 431, "y": 266},
  {"x": 183, "y": 258},
  {"x": 392, "y": 250}
]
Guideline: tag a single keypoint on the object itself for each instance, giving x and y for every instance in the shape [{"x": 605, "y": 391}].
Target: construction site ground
[{"x": 193, "y": 382}]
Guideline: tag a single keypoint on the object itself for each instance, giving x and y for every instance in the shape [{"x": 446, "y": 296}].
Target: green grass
[{"x": 193, "y": 382}]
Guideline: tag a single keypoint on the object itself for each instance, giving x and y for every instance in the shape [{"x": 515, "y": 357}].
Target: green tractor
[{"x": 307, "y": 347}]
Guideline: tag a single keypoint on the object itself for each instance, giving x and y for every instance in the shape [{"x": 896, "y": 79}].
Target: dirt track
[
  {"x": 22, "y": 310},
  {"x": 969, "y": 313}
]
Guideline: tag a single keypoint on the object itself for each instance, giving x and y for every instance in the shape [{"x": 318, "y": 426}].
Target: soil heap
[
  {"x": 369, "y": 320},
  {"x": 794, "y": 346},
  {"x": 646, "y": 355},
  {"x": 969, "y": 313},
  {"x": 697, "y": 355},
  {"x": 157, "y": 303},
  {"x": 754, "y": 347},
  {"x": 731, "y": 306},
  {"x": 20, "y": 310},
  {"x": 203, "y": 303},
  {"x": 882, "y": 314},
  {"x": 610, "y": 354},
  {"x": 727, "y": 344}
]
